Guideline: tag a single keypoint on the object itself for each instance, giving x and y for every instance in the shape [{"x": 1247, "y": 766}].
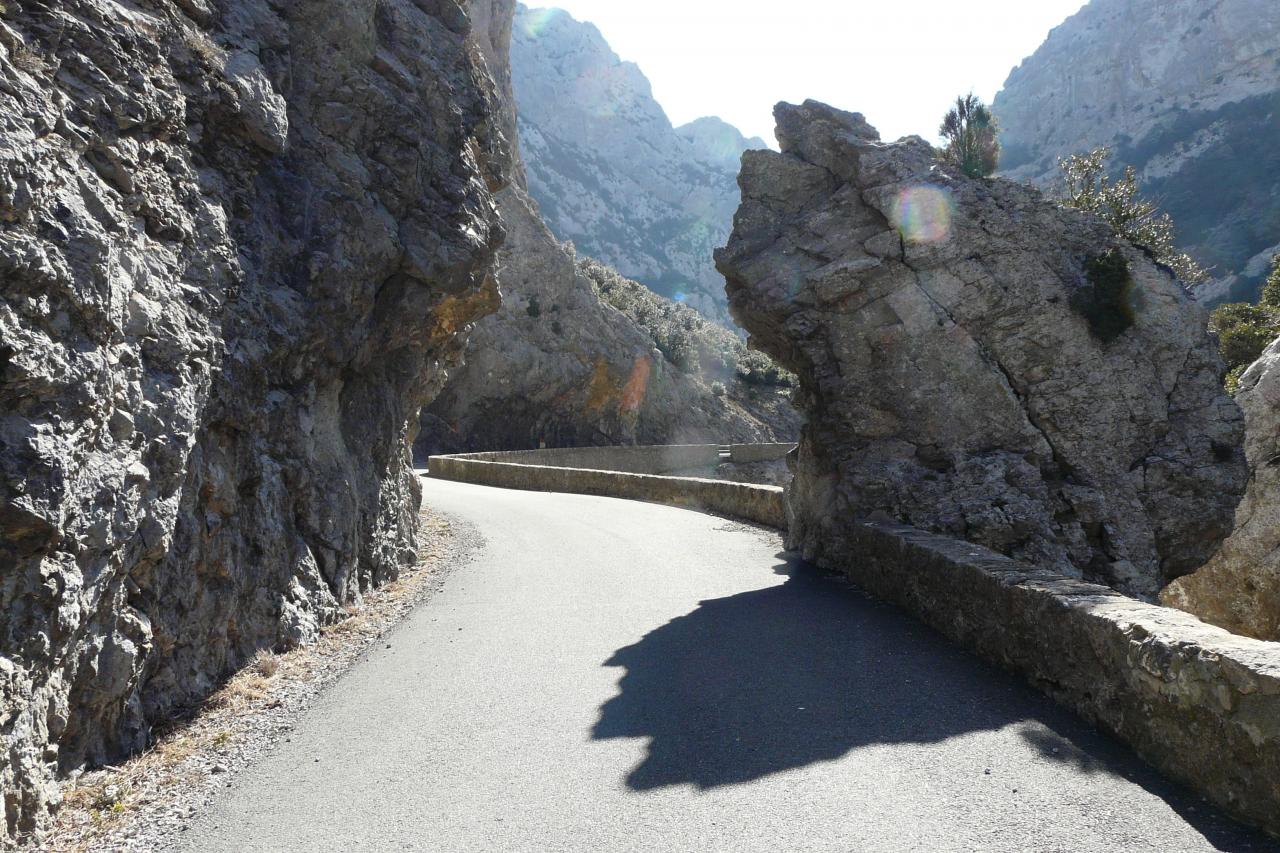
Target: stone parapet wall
[
  {"x": 745, "y": 454},
  {"x": 633, "y": 460},
  {"x": 1200, "y": 704},
  {"x": 749, "y": 502}
]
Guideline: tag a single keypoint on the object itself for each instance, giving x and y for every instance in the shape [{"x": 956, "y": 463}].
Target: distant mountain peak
[{"x": 610, "y": 172}]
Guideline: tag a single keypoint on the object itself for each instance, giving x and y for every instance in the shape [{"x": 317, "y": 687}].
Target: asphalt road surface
[{"x": 614, "y": 676}]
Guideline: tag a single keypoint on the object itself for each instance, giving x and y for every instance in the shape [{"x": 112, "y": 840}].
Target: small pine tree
[
  {"x": 1086, "y": 186},
  {"x": 970, "y": 131}
]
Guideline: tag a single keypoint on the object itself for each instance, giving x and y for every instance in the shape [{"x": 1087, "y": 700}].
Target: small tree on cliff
[
  {"x": 1244, "y": 330},
  {"x": 970, "y": 131},
  {"x": 1085, "y": 185}
]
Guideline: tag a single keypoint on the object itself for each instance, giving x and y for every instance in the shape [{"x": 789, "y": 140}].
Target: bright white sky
[{"x": 900, "y": 63}]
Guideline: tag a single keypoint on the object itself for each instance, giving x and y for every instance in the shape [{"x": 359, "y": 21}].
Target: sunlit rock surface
[
  {"x": 1187, "y": 92},
  {"x": 950, "y": 377},
  {"x": 237, "y": 244},
  {"x": 1239, "y": 589},
  {"x": 608, "y": 170}
]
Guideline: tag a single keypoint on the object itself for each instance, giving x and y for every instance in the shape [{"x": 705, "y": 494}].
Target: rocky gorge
[
  {"x": 558, "y": 364},
  {"x": 239, "y": 244},
  {"x": 609, "y": 171},
  {"x": 978, "y": 361}
]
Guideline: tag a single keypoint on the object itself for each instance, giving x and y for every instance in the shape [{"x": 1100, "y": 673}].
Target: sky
[{"x": 900, "y": 63}]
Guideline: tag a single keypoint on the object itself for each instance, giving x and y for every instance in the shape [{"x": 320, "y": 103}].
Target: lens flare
[
  {"x": 680, "y": 296},
  {"x": 923, "y": 214},
  {"x": 633, "y": 393},
  {"x": 536, "y": 21}
]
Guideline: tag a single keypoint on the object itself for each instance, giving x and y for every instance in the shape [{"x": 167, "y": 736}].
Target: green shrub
[
  {"x": 1271, "y": 289},
  {"x": 971, "y": 134},
  {"x": 534, "y": 309},
  {"x": 1085, "y": 185},
  {"x": 1107, "y": 302},
  {"x": 1243, "y": 331},
  {"x": 685, "y": 338}
]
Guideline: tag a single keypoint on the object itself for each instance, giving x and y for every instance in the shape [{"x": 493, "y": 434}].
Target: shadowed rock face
[
  {"x": 949, "y": 372},
  {"x": 237, "y": 246},
  {"x": 1239, "y": 589}
]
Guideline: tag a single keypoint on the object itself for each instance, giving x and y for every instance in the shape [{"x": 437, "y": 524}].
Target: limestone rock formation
[
  {"x": 610, "y": 173},
  {"x": 556, "y": 365},
  {"x": 1239, "y": 589},
  {"x": 238, "y": 242},
  {"x": 1185, "y": 91},
  {"x": 977, "y": 361}
]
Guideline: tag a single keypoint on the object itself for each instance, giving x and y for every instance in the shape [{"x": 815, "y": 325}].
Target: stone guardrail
[
  {"x": 1200, "y": 704},
  {"x": 545, "y": 471}
]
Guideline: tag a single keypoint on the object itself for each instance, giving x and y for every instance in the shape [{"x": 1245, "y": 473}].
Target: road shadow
[{"x": 809, "y": 670}]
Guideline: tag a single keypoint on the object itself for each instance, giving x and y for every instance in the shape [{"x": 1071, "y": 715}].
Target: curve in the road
[{"x": 607, "y": 675}]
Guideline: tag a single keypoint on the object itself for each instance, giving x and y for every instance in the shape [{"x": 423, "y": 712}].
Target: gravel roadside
[{"x": 148, "y": 802}]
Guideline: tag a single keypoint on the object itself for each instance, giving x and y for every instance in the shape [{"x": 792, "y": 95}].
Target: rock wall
[
  {"x": 556, "y": 366},
  {"x": 976, "y": 361},
  {"x": 238, "y": 243},
  {"x": 609, "y": 171},
  {"x": 1185, "y": 91},
  {"x": 1239, "y": 589}
]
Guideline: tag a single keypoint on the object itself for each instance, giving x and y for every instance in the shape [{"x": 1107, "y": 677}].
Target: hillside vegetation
[{"x": 685, "y": 337}]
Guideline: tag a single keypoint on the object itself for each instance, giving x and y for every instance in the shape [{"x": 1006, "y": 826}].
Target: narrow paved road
[{"x": 613, "y": 676}]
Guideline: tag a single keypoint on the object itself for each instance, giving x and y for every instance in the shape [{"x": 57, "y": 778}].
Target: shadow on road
[{"x": 780, "y": 678}]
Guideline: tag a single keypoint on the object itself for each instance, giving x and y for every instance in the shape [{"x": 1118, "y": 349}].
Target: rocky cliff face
[
  {"x": 1239, "y": 589},
  {"x": 557, "y": 365},
  {"x": 237, "y": 245},
  {"x": 1188, "y": 93},
  {"x": 610, "y": 173},
  {"x": 977, "y": 361}
]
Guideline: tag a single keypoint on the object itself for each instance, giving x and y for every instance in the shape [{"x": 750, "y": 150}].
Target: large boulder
[
  {"x": 1239, "y": 589},
  {"x": 979, "y": 361},
  {"x": 238, "y": 245}
]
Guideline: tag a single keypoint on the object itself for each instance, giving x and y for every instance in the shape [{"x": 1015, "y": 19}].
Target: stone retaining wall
[
  {"x": 1198, "y": 703},
  {"x": 760, "y": 504},
  {"x": 749, "y": 453},
  {"x": 634, "y": 460}
]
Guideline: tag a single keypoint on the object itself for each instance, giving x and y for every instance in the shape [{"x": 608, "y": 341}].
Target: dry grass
[{"x": 101, "y": 804}]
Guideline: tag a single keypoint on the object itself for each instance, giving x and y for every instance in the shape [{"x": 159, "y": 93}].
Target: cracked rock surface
[
  {"x": 1239, "y": 589},
  {"x": 238, "y": 243},
  {"x": 950, "y": 377}
]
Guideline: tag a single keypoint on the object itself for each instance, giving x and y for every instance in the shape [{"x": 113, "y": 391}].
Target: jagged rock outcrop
[
  {"x": 968, "y": 366},
  {"x": 1239, "y": 589},
  {"x": 237, "y": 244},
  {"x": 558, "y": 366},
  {"x": 610, "y": 173},
  {"x": 1187, "y": 92}
]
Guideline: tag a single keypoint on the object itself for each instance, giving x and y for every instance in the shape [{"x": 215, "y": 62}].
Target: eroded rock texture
[
  {"x": 1239, "y": 589},
  {"x": 556, "y": 366},
  {"x": 949, "y": 372},
  {"x": 237, "y": 244}
]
